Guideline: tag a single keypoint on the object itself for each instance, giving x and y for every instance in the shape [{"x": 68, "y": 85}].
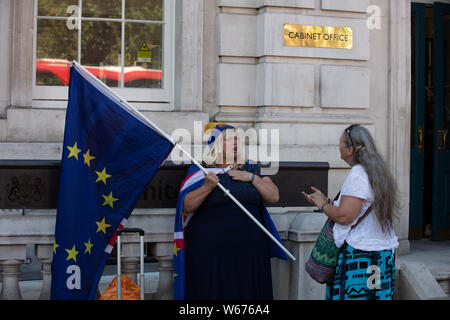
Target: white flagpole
[{"x": 175, "y": 143}]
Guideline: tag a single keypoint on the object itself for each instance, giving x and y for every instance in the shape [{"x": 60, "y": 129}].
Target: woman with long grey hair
[{"x": 363, "y": 216}]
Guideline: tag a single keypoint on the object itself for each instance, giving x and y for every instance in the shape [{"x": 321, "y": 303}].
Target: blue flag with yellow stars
[{"x": 109, "y": 156}]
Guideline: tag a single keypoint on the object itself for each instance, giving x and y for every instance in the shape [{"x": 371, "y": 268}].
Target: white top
[{"x": 367, "y": 235}]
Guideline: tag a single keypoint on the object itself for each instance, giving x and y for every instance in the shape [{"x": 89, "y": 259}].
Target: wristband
[{"x": 253, "y": 178}]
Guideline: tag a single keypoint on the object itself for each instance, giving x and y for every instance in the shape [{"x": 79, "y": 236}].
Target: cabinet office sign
[{"x": 317, "y": 36}]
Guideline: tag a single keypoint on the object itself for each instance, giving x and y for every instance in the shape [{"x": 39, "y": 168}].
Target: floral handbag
[{"x": 324, "y": 255}]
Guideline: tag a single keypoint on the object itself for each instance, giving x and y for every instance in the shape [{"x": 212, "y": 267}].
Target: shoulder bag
[{"x": 321, "y": 264}]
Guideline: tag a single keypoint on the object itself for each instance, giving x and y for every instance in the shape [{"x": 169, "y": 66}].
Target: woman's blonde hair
[{"x": 213, "y": 153}]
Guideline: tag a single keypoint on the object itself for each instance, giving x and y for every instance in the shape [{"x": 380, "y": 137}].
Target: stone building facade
[{"x": 225, "y": 60}]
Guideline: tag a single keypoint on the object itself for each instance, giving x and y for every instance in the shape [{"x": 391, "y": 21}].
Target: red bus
[{"x": 56, "y": 72}]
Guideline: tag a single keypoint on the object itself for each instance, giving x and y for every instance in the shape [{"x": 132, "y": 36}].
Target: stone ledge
[
  {"x": 306, "y": 226},
  {"x": 38, "y": 226},
  {"x": 308, "y": 4},
  {"x": 346, "y": 5},
  {"x": 47, "y": 125},
  {"x": 30, "y": 151}
]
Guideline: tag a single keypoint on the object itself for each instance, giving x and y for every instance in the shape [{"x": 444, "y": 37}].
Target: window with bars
[{"x": 125, "y": 43}]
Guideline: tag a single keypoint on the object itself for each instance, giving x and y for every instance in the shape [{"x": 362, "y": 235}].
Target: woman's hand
[
  {"x": 345, "y": 214},
  {"x": 211, "y": 181},
  {"x": 240, "y": 175},
  {"x": 266, "y": 188},
  {"x": 195, "y": 198},
  {"x": 316, "y": 198}
]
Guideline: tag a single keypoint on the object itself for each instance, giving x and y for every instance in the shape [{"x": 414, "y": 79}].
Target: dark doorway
[{"x": 430, "y": 146}]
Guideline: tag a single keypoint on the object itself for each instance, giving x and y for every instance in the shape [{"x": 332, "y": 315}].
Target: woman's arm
[
  {"x": 195, "y": 198},
  {"x": 345, "y": 214},
  {"x": 265, "y": 186},
  {"x": 267, "y": 189}
]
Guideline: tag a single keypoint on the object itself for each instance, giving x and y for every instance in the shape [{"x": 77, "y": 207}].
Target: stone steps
[{"x": 444, "y": 282}]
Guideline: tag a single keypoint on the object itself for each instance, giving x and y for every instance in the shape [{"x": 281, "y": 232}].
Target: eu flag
[{"x": 109, "y": 156}]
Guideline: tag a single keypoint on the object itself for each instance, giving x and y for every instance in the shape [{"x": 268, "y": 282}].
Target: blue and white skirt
[{"x": 363, "y": 275}]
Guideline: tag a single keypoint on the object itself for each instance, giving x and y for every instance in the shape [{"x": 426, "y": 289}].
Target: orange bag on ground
[{"x": 130, "y": 290}]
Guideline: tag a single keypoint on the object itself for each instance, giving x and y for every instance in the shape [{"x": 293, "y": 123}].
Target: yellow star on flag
[
  {"x": 87, "y": 158},
  {"x": 88, "y": 245},
  {"x": 102, "y": 226},
  {"x": 72, "y": 254},
  {"x": 175, "y": 249},
  {"x": 55, "y": 245},
  {"x": 102, "y": 176},
  {"x": 74, "y": 151},
  {"x": 109, "y": 199},
  {"x": 174, "y": 275}
]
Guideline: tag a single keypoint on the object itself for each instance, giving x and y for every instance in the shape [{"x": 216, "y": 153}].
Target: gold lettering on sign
[{"x": 317, "y": 36}]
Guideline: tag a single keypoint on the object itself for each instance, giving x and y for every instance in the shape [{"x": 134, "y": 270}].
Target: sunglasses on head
[{"x": 348, "y": 130}]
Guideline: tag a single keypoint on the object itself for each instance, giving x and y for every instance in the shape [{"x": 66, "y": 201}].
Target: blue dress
[{"x": 227, "y": 254}]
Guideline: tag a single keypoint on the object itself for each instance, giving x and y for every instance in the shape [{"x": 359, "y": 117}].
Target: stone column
[
  {"x": 400, "y": 110},
  {"x": 6, "y": 13},
  {"x": 189, "y": 52},
  {"x": 130, "y": 260},
  {"x": 11, "y": 257},
  {"x": 163, "y": 252},
  {"x": 44, "y": 253},
  {"x": 303, "y": 233},
  {"x": 22, "y": 53},
  {"x": 280, "y": 268}
]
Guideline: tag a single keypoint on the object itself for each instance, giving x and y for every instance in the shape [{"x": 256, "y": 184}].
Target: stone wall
[
  {"x": 312, "y": 94},
  {"x": 230, "y": 65}
]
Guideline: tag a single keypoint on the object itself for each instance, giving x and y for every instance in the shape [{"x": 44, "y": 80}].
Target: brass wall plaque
[{"x": 317, "y": 36}]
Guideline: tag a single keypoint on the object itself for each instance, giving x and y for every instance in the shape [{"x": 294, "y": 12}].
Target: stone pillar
[
  {"x": 130, "y": 260},
  {"x": 11, "y": 257},
  {"x": 22, "y": 53},
  {"x": 400, "y": 110},
  {"x": 163, "y": 252},
  {"x": 280, "y": 268},
  {"x": 189, "y": 52},
  {"x": 281, "y": 275},
  {"x": 6, "y": 13},
  {"x": 44, "y": 253},
  {"x": 303, "y": 233}
]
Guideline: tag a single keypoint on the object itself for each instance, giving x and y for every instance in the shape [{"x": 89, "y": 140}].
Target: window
[{"x": 128, "y": 44}]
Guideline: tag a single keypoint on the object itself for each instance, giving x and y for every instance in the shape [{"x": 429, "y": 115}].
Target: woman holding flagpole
[{"x": 226, "y": 255}]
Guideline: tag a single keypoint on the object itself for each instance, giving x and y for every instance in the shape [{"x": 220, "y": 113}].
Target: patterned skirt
[{"x": 363, "y": 275}]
